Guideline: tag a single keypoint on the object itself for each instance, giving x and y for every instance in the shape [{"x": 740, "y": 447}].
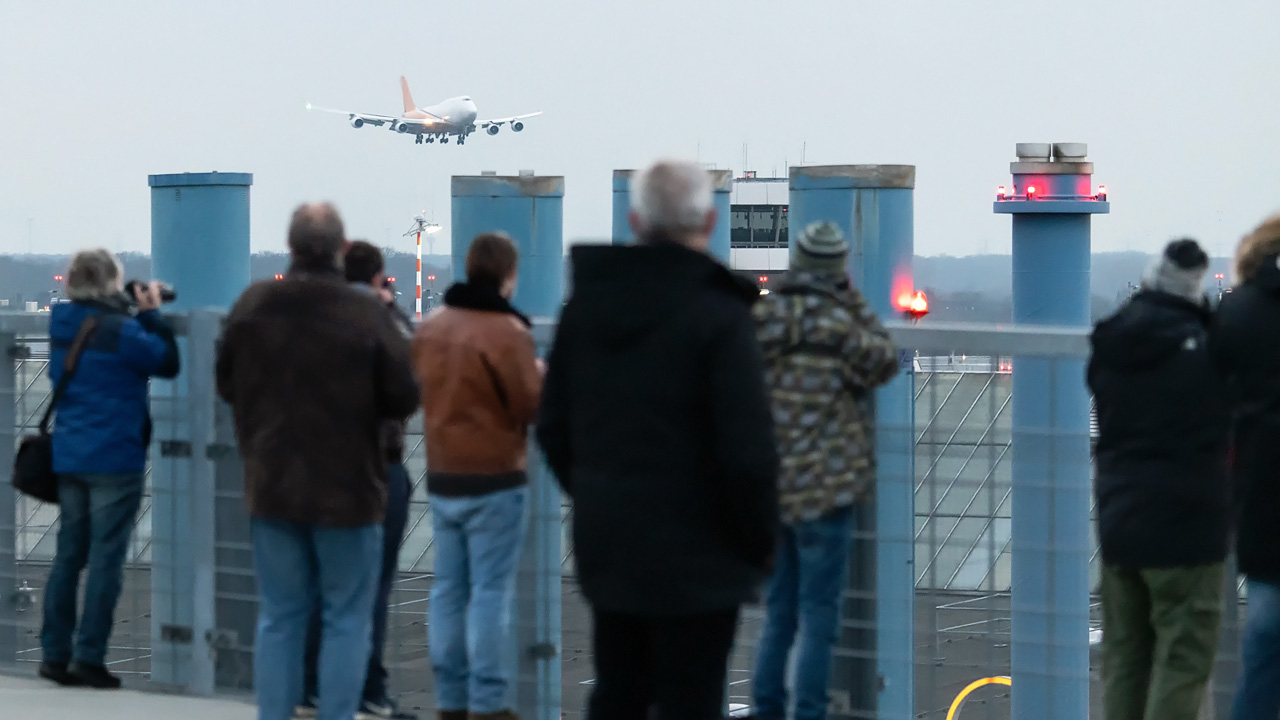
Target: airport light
[
  {"x": 914, "y": 305},
  {"x": 1000, "y": 193},
  {"x": 1102, "y": 192},
  {"x": 421, "y": 227},
  {"x": 1031, "y": 192}
]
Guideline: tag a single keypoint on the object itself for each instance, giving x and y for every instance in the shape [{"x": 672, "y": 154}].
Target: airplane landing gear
[
  {"x": 417, "y": 140},
  {"x": 444, "y": 140}
]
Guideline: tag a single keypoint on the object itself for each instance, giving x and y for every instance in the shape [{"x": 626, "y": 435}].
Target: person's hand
[{"x": 147, "y": 296}]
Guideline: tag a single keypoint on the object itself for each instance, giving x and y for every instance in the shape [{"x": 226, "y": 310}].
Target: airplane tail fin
[{"x": 409, "y": 106}]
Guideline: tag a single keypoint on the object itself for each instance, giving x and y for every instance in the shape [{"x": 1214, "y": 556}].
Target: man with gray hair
[
  {"x": 312, "y": 369},
  {"x": 100, "y": 442},
  {"x": 656, "y": 421}
]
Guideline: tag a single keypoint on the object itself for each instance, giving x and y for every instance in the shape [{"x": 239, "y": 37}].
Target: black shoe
[
  {"x": 94, "y": 676},
  {"x": 382, "y": 710},
  {"x": 57, "y": 672}
]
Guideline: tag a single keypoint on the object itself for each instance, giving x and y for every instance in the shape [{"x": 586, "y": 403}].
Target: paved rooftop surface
[{"x": 32, "y": 699}]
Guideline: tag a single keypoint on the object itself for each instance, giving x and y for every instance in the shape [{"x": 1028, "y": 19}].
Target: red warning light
[
  {"x": 764, "y": 278},
  {"x": 1000, "y": 193},
  {"x": 914, "y": 305},
  {"x": 1102, "y": 192},
  {"x": 1031, "y": 191},
  {"x": 57, "y": 278},
  {"x": 432, "y": 278},
  {"x": 279, "y": 276},
  {"x": 391, "y": 279},
  {"x": 1219, "y": 276}
]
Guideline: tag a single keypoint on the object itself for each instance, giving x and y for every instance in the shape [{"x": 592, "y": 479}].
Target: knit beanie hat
[
  {"x": 1180, "y": 270},
  {"x": 821, "y": 248}
]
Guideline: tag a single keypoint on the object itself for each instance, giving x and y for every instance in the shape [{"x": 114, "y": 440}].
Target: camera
[{"x": 167, "y": 293}]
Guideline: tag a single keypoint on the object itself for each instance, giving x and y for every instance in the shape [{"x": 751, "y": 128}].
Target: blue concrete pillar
[
  {"x": 200, "y": 236},
  {"x": 721, "y": 186},
  {"x": 1051, "y": 200},
  {"x": 529, "y": 210},
  {"x": 200, "y": 245},
  {"x": 622, "y": 234},
  {"x": 873, "y": 205}
]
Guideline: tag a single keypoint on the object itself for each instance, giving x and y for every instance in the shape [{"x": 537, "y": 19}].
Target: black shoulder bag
[{"x": 33, "y": 466}]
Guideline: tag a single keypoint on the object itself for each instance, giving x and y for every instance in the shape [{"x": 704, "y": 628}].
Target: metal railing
[{"x": 187, "y": 615}]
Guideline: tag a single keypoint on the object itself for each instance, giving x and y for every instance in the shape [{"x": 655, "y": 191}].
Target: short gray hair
[
  {"x": 94, "y": 274},
  {"x": 316, "y": 235},
  {"x": 672, "y": 196}
]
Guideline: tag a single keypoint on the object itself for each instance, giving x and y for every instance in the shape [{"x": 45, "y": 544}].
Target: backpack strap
[{"x": 69, "y": 366}]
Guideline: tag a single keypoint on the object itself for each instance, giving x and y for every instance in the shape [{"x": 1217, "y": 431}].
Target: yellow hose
[{"x": 959, "y": 701}]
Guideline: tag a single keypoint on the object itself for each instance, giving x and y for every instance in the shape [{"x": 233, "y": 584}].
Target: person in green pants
[{"x": 1162, "y": 492}]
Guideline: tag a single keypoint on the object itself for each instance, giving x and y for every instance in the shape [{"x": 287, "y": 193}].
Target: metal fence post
[
  {"x": 8, "y": 508},
  {"x": 202, "y": 333},
  {"x": 538, "y": 586}
]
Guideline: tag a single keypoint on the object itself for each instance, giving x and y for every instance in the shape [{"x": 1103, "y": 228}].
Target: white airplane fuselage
[{"x": 455, "y": 116}]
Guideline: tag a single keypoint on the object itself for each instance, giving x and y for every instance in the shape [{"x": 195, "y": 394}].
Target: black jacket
[
  {"x": 656, "y": 421},
  {"x": 1247, "y": 340},
  {"x": 1163, "y": 497}
]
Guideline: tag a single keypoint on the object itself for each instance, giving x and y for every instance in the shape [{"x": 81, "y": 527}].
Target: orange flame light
[{"x": 914, "y": 305}]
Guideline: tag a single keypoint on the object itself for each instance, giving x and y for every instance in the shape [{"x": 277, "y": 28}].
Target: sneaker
[
  {"x": 306, "y": 710},
  {"x": 94, "y": 676},
  {"x": 382, "y": 710},
  {"x": 57, "y": 672}
]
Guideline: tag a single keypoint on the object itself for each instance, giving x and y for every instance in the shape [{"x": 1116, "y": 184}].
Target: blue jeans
[
  {"x": 478, "y": 542},
  {"x": 97, "y": 517},
  {"x": 811, "y": 566},
  {"x": 298, "y": 565},
  {"x": 399, "y": 488},
  {"x": 1258, "y": 697}
]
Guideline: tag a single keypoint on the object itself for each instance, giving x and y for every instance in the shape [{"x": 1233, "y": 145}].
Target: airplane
[{"x": 455, "y": 117}]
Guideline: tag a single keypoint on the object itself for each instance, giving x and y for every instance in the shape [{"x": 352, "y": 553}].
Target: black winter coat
[
  {"x": 1247, "y": 340},
  {"x": 655, "y": 420},
  {"x": 1162, "y": 491}
]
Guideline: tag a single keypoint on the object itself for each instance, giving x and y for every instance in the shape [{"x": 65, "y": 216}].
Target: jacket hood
[
  {"x": 1266, "y": 275},
  {"x": 623, "y": 293},
  {"x": 1153, "y": 326},
  {"x": 1258, "y": 250}
]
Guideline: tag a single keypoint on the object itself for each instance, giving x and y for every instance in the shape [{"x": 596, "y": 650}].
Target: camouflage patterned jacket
[{"x": 824, "y": 351}]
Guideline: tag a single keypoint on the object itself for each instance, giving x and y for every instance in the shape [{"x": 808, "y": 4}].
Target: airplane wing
[
  {"x": 503, "y": 121},
  {"x": 358, "y": 119}
]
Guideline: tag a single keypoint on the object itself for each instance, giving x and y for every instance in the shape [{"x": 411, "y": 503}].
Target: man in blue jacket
[{"x": 102, "y": 429}]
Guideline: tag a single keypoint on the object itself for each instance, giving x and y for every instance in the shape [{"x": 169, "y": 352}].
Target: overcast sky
[{"x": 1177, "y": 100}]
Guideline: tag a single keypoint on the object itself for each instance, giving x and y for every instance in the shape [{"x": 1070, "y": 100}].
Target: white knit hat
[{"x": 1179, "y": 270}]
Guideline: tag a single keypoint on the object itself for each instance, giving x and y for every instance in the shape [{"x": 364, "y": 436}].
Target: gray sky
[{"x": 1177, "y": 101}]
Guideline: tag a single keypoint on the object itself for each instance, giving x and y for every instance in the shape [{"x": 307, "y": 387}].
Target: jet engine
[
  {"x": 493, "y": 130},
  {"x": 517, "y": 126},
  {"x": 357, "y": 123},
  {"x": 402, "y": 127}
]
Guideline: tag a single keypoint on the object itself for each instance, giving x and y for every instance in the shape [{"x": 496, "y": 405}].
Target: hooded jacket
[
  {"x": 1161, "y": 483},
  {"x": 1247, "y": 342},
  {"x": 656, "y": 421},
  {"x": 102, "y": 425}
]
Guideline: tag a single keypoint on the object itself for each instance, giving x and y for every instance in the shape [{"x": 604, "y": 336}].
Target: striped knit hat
[{"x": 820, "y": 249}]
